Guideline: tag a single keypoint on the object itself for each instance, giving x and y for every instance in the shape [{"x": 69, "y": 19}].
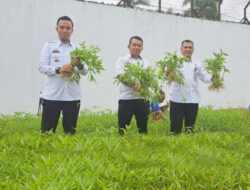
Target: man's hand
[
  {"x": 135, "y": 87},
  {"x": 77, "y": 63},
  {"x": 66, "y": 69},
  {"x": 168, "y": 71},
  {"x": 164, "y": 106},
  {"x": 215, "y": 76}
]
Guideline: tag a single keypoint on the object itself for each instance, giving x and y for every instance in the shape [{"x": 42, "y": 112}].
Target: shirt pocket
[{"x": 56, "y": 58}]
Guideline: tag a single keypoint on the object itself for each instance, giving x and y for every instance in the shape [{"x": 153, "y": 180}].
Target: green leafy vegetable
[
  {"x": 89, "y": 57},
  {"x": 146, "y": 80},
  {"x": 216, "y": 66},
  {"x": 172, "y": 62}
]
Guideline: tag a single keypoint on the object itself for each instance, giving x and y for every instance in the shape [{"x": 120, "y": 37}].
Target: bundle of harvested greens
[
  {"x": 216, "y": 67},
  {"x": 146, "y": 80},
  {"x": 89, "y": 57},
  {"x": 173, "y": 63}
]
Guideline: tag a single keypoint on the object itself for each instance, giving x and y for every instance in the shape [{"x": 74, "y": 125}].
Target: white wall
[{"x": 27, "y": 24}]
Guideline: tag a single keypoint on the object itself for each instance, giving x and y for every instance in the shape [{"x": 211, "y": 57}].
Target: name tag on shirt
[{"x": 55, "y": 50}]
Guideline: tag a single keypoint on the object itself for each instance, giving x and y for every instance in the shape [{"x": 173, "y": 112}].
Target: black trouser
[
  {"x": 181, "y": 111},
  {"x": 51, "y": 113},
  {"x": 128, "y": 108}
]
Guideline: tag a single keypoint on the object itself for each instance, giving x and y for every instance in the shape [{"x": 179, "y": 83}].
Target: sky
[{"x": 231, "y": 10}]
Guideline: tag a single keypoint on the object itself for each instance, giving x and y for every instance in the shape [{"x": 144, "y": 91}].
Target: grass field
[{"x": 217, "y": 156}]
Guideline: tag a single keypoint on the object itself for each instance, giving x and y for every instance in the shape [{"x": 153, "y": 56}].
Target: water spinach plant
[
  {"x": 173, "y": 63},
  {"x": 216, "y": 66},
  {"x": 88, "y": 57},
  {"x": 146, "y": 80}
]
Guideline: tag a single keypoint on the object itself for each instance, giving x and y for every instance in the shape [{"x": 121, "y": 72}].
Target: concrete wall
[{"x": 27, "y": 24}]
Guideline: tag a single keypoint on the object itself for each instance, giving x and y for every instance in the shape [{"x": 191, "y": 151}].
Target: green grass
[{"x": 215, "y": 157}]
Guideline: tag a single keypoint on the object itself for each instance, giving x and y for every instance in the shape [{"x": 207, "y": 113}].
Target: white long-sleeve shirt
[
  {"x": 127, "y": 93},
  {"x": 56, "y": 54},
  {"x": 188, "y": 93}
]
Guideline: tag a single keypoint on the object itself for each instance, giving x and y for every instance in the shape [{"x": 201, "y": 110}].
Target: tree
[
  {"x": 132, "y": 3},
  {"x": 207, "y": 9}
]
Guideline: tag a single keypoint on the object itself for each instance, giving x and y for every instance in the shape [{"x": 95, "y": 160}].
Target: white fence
[{"x": 27, "y": 24}]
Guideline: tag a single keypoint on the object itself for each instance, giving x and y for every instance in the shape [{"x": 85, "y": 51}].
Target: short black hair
[
  {"x": 187, "y": 41},
  {"x": 135, "y": 37},
  {"x": 162, "y": 92},
  {"x": 65, "y": 18}
]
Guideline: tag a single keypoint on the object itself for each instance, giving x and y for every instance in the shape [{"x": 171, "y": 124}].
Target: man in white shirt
[
  {"x": 58, "y": 94},
  {"x": 184, "y": 100},
  {"x": 129, "y": 102}
]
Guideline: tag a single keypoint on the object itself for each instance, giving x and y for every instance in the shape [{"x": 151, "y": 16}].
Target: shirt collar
[
  {"x": 130, "y": 56},
  {"x": 60, "y": 43}
]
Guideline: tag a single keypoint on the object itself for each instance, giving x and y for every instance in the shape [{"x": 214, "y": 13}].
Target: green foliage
[
  {"x": 144, "y": 79},
  {"x": 174, "y": 63},
  {"x": 97, "y": 157},
  {"x": 139, "y": 2},
  {"x": 132, "y": 3},
  {"x": 170, "y": 10},
  {"x": 216, "y": 66},
  {"x": 90, "y": 58},
  {"x": 206, "y": 9}
]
